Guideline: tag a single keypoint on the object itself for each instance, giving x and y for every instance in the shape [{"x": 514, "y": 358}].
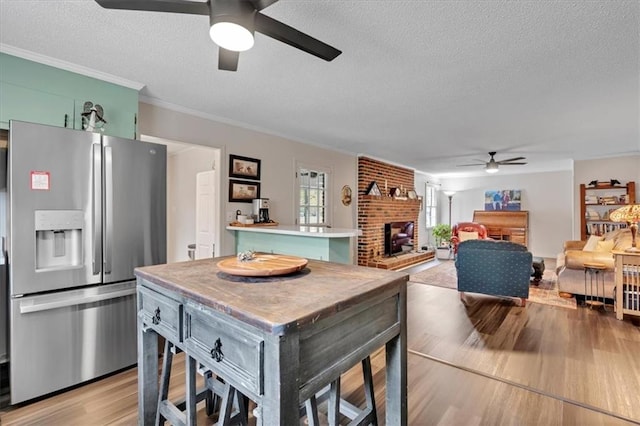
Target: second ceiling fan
[
  {"x": 492, "y": 165},
  {"x": 232, "y": 25}
]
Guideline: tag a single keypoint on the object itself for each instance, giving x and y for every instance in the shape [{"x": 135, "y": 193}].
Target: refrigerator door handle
[
  {"x": 108, "y": 211},
  {"x": 96, "y": 202},
  {"x": 27, "y": 308}
]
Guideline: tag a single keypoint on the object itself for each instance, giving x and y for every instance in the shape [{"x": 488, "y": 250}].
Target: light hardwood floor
[{"x": 490, "y": 362}]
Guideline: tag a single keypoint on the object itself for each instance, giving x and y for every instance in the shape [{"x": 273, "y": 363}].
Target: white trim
[{"x": 68, "y": 66}]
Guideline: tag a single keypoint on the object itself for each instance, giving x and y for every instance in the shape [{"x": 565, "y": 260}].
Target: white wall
[
  {"x": 547, "y": 196},
  {"x": 278, "y": 156},
  {"x": 624, "y": 169},
  {"x": 182, "y": 168},
  {"x": 550, "y": 198}
]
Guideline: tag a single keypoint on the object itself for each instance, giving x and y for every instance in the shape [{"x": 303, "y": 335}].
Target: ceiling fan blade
[
  {"x": 175, "y": 6},
  {"x": 289, "y": 35},
  {"x": 465, "y": 165},
  {"x": 228, "y": 59},
  {"x": 261, "y": 4},
  {"x": 511, "y": 159},
  {"x": 510, "y": 164}
]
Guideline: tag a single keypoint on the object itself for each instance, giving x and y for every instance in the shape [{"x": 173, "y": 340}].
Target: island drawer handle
[
  {"x": 216, "y": 352},
  {"x": 156, "y": 317}
]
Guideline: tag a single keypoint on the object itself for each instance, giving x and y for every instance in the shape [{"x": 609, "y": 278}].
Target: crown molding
[
  {"x": 68, "y": 66},
  {"x": 235, "y": 123}
]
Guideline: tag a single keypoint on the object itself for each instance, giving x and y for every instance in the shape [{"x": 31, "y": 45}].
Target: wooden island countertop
[{"x": 274, "y": 303}]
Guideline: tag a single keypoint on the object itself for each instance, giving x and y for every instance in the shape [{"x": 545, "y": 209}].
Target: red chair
[{"x": 466, "y": 227}]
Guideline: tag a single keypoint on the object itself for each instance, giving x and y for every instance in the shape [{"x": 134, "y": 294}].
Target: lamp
[
  {"x": 232, "y": 24},
  {"x": 450, "y": 195},
  {"x": 631, "y": 215}
]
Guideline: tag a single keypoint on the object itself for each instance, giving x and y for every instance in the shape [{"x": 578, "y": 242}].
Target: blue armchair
[{"x": 498, "y": 268}]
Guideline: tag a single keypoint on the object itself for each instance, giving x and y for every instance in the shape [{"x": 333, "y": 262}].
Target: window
[
  {"x": 313, "y": 196},
  {"x": 430, "y": 205}
]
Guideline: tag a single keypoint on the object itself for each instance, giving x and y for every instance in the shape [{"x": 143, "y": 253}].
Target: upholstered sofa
[
  {"x": 570, "y": 263},
  {"x": 463, "y": 231},
  {"x": 498, "y": 268}
]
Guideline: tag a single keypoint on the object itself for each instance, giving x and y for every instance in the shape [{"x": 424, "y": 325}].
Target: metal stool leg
[{"x": 594, "y": 271}]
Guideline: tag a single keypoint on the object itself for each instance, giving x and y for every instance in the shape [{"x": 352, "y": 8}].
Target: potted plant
[{"x": 442, "y": 234}]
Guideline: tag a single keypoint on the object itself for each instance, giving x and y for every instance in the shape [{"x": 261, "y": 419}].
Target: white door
[{"x": 205, "y": 214}]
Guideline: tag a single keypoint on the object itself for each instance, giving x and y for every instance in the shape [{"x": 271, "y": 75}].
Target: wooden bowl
[{"x": 263, "y": 265}]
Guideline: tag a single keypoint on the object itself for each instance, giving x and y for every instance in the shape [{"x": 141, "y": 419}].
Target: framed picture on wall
[
  {"x": 243, "y": 192},
  {"x": 244, "y": 167},
  {"x": 506, "y": 199}
]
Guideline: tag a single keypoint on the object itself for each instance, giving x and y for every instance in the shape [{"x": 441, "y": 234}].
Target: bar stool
[
  {"x": 173, "y": 412},
  {"x": 336, "y": 406},
  {"x": 592, "y": 274},
  {"x": 234, "y": 406},
  {"x": 218, "y": 395}
]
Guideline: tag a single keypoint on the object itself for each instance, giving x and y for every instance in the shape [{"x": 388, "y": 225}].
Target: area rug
[{"x": 546, "y": 292}]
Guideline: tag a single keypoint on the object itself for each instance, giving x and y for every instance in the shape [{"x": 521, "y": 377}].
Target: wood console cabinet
[{"x": 505, "y": 225}]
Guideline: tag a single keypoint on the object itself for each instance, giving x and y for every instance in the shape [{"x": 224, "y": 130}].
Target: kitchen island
[
  {"x": 278, "y": 340},
  {"x": 312, "y": 242}
]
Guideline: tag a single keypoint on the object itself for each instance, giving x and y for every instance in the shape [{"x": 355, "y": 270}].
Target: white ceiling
[{"x": 428, "y": 84}]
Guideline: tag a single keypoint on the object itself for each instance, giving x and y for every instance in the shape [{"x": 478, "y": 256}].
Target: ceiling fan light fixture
[
  {"x": 231, "y": 36},
  {"x": 232, "y": 24},
  {"x": 492, "y": 167}
]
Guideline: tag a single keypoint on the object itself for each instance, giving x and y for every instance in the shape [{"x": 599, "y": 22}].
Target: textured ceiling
[{"x": 426, "y": 84}]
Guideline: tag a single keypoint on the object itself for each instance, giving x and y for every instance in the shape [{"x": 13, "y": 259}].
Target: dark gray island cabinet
[{"x": 278, "y": 340}]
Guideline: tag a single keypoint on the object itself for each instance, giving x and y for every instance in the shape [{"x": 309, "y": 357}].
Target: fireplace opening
[{"x": 398, "y": 237}]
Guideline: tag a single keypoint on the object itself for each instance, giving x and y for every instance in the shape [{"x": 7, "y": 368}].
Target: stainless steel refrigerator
[{"x": 84, "y": 210}]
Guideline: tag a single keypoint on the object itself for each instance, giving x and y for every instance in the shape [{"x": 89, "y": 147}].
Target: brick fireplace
[{"x": 375, "y": 211}]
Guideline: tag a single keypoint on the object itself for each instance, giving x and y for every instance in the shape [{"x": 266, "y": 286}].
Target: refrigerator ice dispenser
[{"x": 58, "y": 236}]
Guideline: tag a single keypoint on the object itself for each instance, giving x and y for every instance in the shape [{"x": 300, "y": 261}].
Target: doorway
[{"x": 191, "y": 206}]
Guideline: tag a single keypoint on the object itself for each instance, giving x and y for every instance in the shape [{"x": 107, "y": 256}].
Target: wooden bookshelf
[{"x": 596, "y": 202}]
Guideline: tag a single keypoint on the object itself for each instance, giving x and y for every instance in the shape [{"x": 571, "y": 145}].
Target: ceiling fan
[
  {"x": 233, "y": 23},
  {"x": 491, "y": 166}
]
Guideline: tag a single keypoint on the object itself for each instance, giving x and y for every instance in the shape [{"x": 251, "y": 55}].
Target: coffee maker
[{"x": 261, "y": 210}]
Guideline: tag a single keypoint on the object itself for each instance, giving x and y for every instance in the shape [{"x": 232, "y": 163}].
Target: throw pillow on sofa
[
  {"x": 605, "y": 246},
  {"x": 623, "y": 240},
  {"x": 467, "y": 235},
  {"x": 592, "y": 243}
]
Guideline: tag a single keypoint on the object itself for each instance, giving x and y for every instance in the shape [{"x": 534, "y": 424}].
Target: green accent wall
[{"x": 30, "y": 91}]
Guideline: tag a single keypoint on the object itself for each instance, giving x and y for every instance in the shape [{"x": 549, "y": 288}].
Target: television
[{"x": 398, "y": 237}]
